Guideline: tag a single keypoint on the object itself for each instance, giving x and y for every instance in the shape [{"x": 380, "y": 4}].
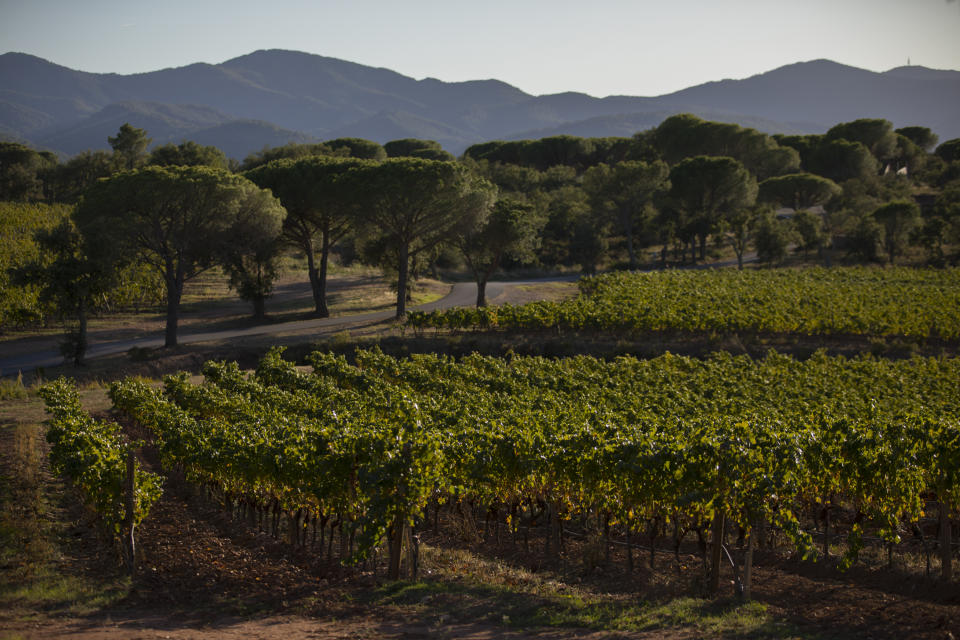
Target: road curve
[{"x": 462, "y": 294}]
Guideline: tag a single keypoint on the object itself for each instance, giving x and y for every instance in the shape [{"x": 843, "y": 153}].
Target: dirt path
[{"x": 292, "y": 627}]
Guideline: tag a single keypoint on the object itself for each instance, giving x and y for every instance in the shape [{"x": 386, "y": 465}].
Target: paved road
[{"x": 462, "y": 294}]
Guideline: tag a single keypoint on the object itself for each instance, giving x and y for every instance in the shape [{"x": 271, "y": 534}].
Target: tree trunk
[
  {"x": 81, "y": 346},
  {"x": 482, "y": 292},
  {"x": 319, "y": 300},
  {"x": 323, "y": 310},
  {"x": 403, "y": 268},
  {"x": 259, "y": 307},
  {"x": 174, "y": 293},
  {"x": 631, "y": 251},
  {"x": 739, "y": 245}
]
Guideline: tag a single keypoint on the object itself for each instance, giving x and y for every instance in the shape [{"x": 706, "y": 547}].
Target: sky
[{"x": 599, "y": 47}]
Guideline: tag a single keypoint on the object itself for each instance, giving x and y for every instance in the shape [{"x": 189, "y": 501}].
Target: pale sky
[{"x": 600, "y": 47}]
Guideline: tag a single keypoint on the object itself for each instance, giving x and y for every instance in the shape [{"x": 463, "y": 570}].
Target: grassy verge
[
  {"x": 42, "y": 568},
  {"x": 461, "y": 587}
]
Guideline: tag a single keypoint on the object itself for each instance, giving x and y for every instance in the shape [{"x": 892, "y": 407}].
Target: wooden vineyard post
[
  {"x": 129, "y": 494},
  {"x": 748, "y": 564},
  {"x": 946, "y": 564},
  {"x": 395, "y": 547},
  {"x": 411, "y": 552},
  {"x": 716, "y": 551},
  {"x": 826, "y": 529}
]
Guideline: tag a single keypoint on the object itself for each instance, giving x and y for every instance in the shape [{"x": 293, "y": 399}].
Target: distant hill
[
  {"x": 272, "y": 97},
  {"x": 824, "y": 93}
]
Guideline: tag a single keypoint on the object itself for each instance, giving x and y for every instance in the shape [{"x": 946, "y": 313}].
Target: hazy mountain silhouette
[{"x": 272, "y": 97}]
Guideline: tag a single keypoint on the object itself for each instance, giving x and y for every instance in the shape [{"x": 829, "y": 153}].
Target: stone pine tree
[
  {"x": 511, "y": 230},
  {"x": 417, "y": 204},
  {"x": 130, "y": 146},
  {"x": 798, "y": 190},
  {"x": 705, "y": 189},
  {"x": 898, "y": 220},
  {"x": 180, "y": 220},
  {"x": 624, "y": 192},
  {"x": 321, "y": 210}
]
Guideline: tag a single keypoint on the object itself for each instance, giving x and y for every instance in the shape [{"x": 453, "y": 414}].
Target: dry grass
[
  {"x": 13, "y": 388},
  {"x": 461, "y": 586},
  {"x": 41, "y": 573},
  {"x": 551, "y": 291}
]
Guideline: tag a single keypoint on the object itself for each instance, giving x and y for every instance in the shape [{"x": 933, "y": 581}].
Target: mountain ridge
[{"x": 275, "y": 93}]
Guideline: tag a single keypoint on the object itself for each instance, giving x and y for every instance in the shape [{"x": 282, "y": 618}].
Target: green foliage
[
  {"x": 685, "y": 136},
  {"x": 70, "y": 179},
  {"x": 704, "y": 189},
  {"x": 669, "y": 439},
  {"x": 798, "y": 191},
  {"x": 19, "y": 224},
  {"x": 130, "y": 146},
  {"x": 321, "y": 207},
  {"x": 908, "y": 156},
  {"x": 624, "y": 192},
  {"x": 433, "y": 154},
  {"x": 809, "y": 228},
  {"x": 252, "y": 247},
  {"x": 923, "y": 137},
  {"x": 188, "y": 154},
  {"x": 180, "y": 220},
  {"x": 22, "y": 172},
  {"x": 804, "y": 145},
  {"x": 414, "y": 205},
  {"x": 571, "y": 234},
  {"x": 70, "y": 278},
  {"x": 409, "y": 147},
  {"x": 898, "y": 219},
  {"x": 875, "y": 134},
  {"x": 291, "y": 150},
  {"x": 511, "y": 230},
  {"x": 93, "y": 456},
  {"x": 771, "y": 238},
  {"x": 511, "y": 179},
  {"x": 863, "y": 241},
  {"x": 541, "y": 154},
  {"x": 357, "y": 148},
  {"x": 917, "y": 303},
  {"x": 841, "y": 160},
  {"x": 949, "y": 151}
]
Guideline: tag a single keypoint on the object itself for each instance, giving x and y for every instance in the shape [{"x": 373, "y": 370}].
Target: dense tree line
[{"x": 862, "y": 191}]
